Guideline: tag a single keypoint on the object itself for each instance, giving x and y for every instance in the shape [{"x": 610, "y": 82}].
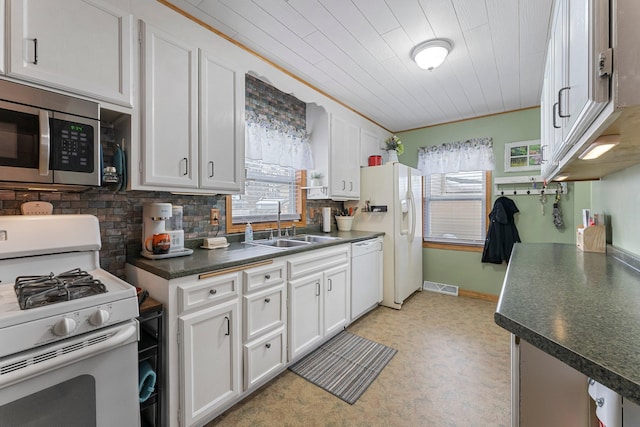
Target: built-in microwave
[{"x": 47, "y": 139}]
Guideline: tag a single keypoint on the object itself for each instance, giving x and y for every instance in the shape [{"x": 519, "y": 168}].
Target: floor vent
[{"x": 440, "y": 288}]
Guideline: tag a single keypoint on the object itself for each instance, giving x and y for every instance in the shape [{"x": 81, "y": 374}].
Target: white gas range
[{"x": 67, "y": 327}]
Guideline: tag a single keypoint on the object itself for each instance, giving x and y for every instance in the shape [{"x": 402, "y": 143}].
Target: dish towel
[{"x": 146, "y": 380}]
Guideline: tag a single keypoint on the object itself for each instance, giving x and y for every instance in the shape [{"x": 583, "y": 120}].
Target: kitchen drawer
[
  {"x": 265, "y": 276},
  {"x": 264, "y": 310},
  {"x": 318, "y": 260},
  {"x": 264, "y": 358},
  {"x": 207, "y": 291}
]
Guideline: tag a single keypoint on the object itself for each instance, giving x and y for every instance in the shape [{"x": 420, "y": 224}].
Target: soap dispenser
[{"x": 248, "y": 233}]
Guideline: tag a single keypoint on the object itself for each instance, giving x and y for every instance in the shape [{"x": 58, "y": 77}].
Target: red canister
[{"x": 375, "y": 160}]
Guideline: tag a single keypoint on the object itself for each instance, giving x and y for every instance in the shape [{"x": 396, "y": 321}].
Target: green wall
[
  {"x": 465, "y": 269},
  {"x": 617, "y": 196}
]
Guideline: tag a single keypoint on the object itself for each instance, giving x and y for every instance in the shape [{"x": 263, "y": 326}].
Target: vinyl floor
[{"x": 451, "y": 369}]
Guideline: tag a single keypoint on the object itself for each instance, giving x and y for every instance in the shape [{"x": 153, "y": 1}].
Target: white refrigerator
[{"x": 398, "y": 188}]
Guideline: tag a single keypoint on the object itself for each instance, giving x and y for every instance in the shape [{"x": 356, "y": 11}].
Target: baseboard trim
[{"x": 477, "y": 295}]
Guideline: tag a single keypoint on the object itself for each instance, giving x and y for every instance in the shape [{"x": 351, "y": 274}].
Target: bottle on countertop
[{"x": 248, "y": 233}]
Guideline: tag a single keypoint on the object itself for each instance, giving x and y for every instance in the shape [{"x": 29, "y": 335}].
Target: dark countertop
[
  {"x": 582, "y": 308},
  {"x": 236, "y": 254}
]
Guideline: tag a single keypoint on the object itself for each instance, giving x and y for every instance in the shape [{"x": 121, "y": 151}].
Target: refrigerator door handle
[{"x": 413, "y": 218}]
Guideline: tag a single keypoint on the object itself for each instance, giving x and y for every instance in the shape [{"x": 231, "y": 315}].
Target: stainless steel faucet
[{"x": 278, "y": 220}]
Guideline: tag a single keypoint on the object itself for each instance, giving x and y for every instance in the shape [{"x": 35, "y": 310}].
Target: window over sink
[{"x": 265, "y": 186}]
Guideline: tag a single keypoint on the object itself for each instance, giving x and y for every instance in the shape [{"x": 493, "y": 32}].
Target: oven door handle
[
  {"x": 31, "y": 370},
  {"x": 45, "y": 143}
]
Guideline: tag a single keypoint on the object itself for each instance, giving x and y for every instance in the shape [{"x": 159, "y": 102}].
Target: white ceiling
[{"x": 358, "y": 51}]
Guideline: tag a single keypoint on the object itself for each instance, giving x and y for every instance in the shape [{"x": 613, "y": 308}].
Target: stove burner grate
[{"x": 36, "y": 291}]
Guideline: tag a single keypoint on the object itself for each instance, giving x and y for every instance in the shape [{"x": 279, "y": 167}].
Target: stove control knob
[
  {"x": 99, "y": 318},
  {"x": 64, "y": 327}
]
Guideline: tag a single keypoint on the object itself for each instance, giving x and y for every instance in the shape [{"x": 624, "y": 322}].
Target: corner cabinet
[
  {"x": 590, "y": 87},
  {"x": 91, "y": 57},
  {"x": 193, "y": 118}
]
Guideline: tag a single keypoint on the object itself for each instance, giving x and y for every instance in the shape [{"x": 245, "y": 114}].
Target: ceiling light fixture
[
  {"x": 430, "y": 54},
  {"x": 599, "y": 147}
]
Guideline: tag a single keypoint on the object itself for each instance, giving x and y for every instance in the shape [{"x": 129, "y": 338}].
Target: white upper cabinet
[
  {"x": 222, "y": 91},
  {"x": 170, "y": 98},
  {"x": 591, "y": 88},
  {"x": 81, "y": 46},
  {"x": 193, "y": 118},
  {"x": 344, "y": 169}
]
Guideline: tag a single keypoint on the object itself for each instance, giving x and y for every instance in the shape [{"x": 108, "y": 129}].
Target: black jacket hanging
[{"x": 502, "y": 233}]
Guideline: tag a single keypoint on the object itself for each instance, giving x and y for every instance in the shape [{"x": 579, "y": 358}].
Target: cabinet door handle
[
  {"x": 267, "y": 276},
  {"x": 268, "y": 345},
  {"x": 564, "y": 116},
  {"x": 600, "y": 402},
  {"x": 211, "y": 168},
  {"x": 330, "y": 285},
  {"x": 350, "y": 186},
  {"x": 317, "y": 289},
  {"x": 542, "y": 158},
  {"x": 228, "y": 325},
  {"x": 186, "y": 166},
  {"x": 35, "y": 51},
  {"x": 267, "y": 300},
  {"x": 555, "y": 112},
  {"x": 212, "y": 291},
  {"x": 344, "y": 184}
]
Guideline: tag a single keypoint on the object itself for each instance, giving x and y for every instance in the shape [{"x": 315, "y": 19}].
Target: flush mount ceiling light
[
  {"x": 599, "y": 147},
  {"x": 430, "y": 54}
]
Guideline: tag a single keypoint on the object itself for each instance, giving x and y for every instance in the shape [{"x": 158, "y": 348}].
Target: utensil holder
[{"x": 344, "y": 223}]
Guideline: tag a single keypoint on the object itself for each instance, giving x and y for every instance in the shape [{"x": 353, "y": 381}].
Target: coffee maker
[{"x": 161, "y": 218}]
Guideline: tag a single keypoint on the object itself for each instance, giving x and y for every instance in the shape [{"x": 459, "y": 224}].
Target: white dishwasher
[{"x": 366, "y": 276}]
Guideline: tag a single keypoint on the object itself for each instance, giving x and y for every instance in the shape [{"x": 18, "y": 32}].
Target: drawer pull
[
  {"x": 268, "y": 345},
  {"x": 267, "y": 276},
  {"x": 267, "y": 300},
  {"x": 212, "y": 291},
  {"x": 600, "y": 402}
]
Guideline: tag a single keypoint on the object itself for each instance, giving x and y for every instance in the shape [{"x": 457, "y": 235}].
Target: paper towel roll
[{"x": 326, "y": 220}]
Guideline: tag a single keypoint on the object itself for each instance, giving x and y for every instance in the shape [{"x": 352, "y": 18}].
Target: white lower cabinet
[
  {"x": 264, "y": 314},
  {"x": 336, "y": 299},
  {"x": 305, "y": 314},
  {"x": 264, "y": 358},
  {"x": 210, "y": 362},
  {"x": 236, "y": 330},
  {"x": 318, "y": 287}
]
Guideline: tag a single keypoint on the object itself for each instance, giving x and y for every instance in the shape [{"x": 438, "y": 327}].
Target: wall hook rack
[{"x": 526, "y": 186}]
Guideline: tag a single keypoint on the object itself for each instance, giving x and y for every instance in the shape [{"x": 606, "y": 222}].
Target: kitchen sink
[
  {"x": 311, "y": 238},
  {"x": 280, "y": 243}
]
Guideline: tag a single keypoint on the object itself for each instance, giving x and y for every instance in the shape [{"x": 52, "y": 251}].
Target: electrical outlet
[{"x": 214, "y": 219}]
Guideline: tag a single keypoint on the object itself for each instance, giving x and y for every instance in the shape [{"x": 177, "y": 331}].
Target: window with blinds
[
  {"x": 265, "y": 186},
  {"x": 455, "y": 208}
]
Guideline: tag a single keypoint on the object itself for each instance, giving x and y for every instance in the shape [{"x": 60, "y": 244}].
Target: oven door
[
  {"x": 89, "y": 380},
  {"x": 24, "y": 143}
]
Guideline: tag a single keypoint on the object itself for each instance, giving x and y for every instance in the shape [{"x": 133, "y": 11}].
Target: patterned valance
[
  {"x": 470, "y": 155},
  {"x": 276, "y": 143}
]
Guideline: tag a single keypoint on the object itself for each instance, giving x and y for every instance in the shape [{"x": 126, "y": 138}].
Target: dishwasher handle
[{"x": 366, "y": 246}]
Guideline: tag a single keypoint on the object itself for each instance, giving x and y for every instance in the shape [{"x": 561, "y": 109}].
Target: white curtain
[
  {"x": 470, "y": 155},
  {"x": 275, "y": 143}
]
